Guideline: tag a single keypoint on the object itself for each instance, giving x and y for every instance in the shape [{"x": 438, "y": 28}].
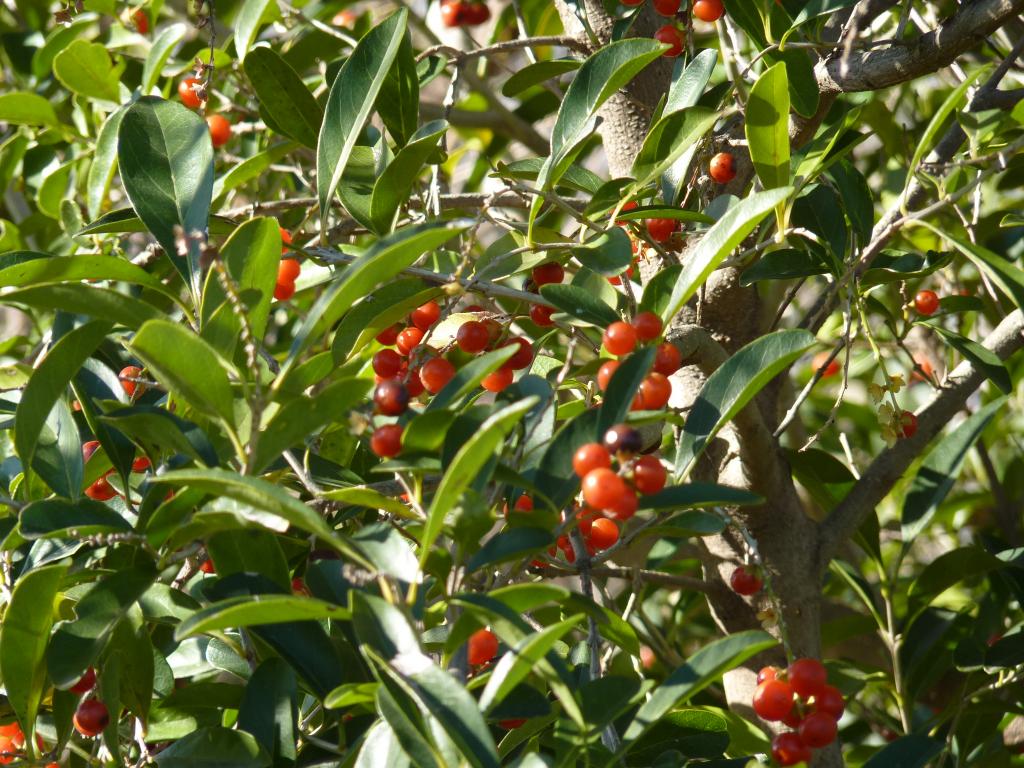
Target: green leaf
[
  {"x": 58, "y": 518},
  {"x": 104, "y": 161},
  {"x": 377, "y": 311},
  {"x": 214, "y": 747},
  {"x": 90, "y": 300},
  {"x": 719, "y": 241},
  {"x": 85, "y": 68},
  {"x": 695, "y": 733},
  {"x": 982, "y": 358},
  {"x": 159, "y": 52},
  {"x": 644, "y": 212},
  {"x": 399, "y": 101},
  {"x": 186, "y": 365},
  {"x": 269, "y": 710},
  {"x": 166, "y": 165},
  {"x": 784, "y": 264},
  {"x": 252, "y": 254},
  {"x": 946, "y": 570},
  {"x": 266, "y": 496},
  {"x": 803, "y": 85},
  {"x": 733, "y": 385},
  {"x": 349, "y": 103},
  {"x": 58, "y": 455},
  {"x": 580, "y": 304},
  {"x": 256, "y": 610},
  {"x": 668, "y": 139},
  {"x": 509, "y": 545},
  {"x": 689, "y": 81},
  {"x": 609, "y": 253},
  {"x": 392, "y": 188},
  {"x": 515, "y": 665},
  {"x": 939, "y": 470},
  {"x": 812, "y": 10},
  {"x": 912, "y": 751},
  {"x": 536, "y": 73},
  {"x": 283, "y": 95},
  {"x": 26, "y": 108},
  {"x": 381, "y": 262},
  {"x": 248, "y": 169},
  {"x": 154, "y": 428},
  {"x": 248, "y": 20},
  {"x": 767, "y": 127},
  {"x": 303, "y": 417},
  {"x": 699, "y": 671},
  {"x": 76, "y": 645},
  {"x": 78, "y": 268},
  {"x": 466, "y": 465},
  {"x": 26, "y": 631},
  {"x": 622, "y": 388},
  {"x": 695, "y": 495},
  {"x": 467, "y": 379},
  {"x": 893, "y": 266},
  {"x": 48, "y": 383},
  {"x": 124, "y": 220}
]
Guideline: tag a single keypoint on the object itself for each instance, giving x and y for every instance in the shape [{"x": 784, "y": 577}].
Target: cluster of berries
[
  {"x": 399, "y": 381},
  {"x": 288, "y": 270},
  {"x": 460, "y": 13},
  {"x": 670, "y": 34},
  {"x": 92, "y": 716},
  {"x": 801, "y": 698},
  {"x": 12, "y": 742},
  {"x": 621, "y": 338},
  {"x": 192, "y": 93},
  {"x": 101, "y": 489}
]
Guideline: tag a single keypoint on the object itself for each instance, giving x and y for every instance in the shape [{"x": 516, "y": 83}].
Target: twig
[{"x": 565, "y": 41}]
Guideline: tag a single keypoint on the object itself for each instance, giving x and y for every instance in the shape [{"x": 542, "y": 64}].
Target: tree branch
[
  {"x": 889, "y": 466},
  {"x": 874, "y": 70}
]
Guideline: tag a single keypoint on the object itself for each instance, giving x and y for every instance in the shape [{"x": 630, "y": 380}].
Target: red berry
[
  {"x": 288, "y": 271},
  {"x": 647, "y": 326},
  {"x": 722, "y": 168},
  {"x": 435, "y": 373},
  {"x": 830, "y": 701},
  {"x": 926, "y": 302},
  {"x": 668, "y": 359},
  {"x": 541, "y": 315},
  {"x": 141, "y": 464},
  {"x": 391, "y": 397},
  {"x": 388, "y": 336},
  {"x": 91, "y": 717},
  {"x": 472, "y": 336},
  {"x": 602, "y": 488},
  {"x": 745, "y": 581},
  {"x": 604, "y": 373},
  {"x": 523, "y": 356},
  {"x": 207, "y": 566},
  {"x": 588, "y": 457},
  {"x": 101, "y": 490},
  {"x": 299, "y": 587},
  {"x": 483, "y": 646},
  {"x": 667, "y": 7},
  {"x": 497, "y": 381},
  {"x": 387, "y": 363},
  {"x": 548, "y": 273},
  {"x": 626, "y": 506},
  {"x": 524, "y": 504},
  {"x": 908, "y": 424},
  {"x": 425, "y": 315},
  {"x": 286, "y": 240},
  {"x": 141, "y": 21},
  {"x": 831, "y": 366},
  {"x": 620, "y": 338},
  {"x": 127, "y": 374},
  {"x": 413, "y": 383},
  {"x": 649, "y": 474},
  {"x": 773, "y": 699},
  {"x": 808, "y": 677},
  {"x": 452, "y": 14},
  {"x": 585, "y": 520},
  {"x": 187, "y": 93},
  {"x": 476, "y": 13},
  {"x": 512, "y": 723},
  {"x": 787, "y": 749},
  {"x": 623, "y": 440},
  {"x": 89, "y": 448},
  {"x": 671, "y": 36},
  {"x": 284, "y": 291},
  {"x": 220, "y": 130},
  {"x": 386, "y": 441},
  {"x": 708, "y": 10},
  {"x": 603, "y": 533},
  {"x": 661, "y": 230},
  {"x": 818, "y": 730},
  {"x": 85, "y": 682},
  {"x": 655, "y": 390},
  {"x": 408, "y": 340},
  {"x": 767, "y": 673}
]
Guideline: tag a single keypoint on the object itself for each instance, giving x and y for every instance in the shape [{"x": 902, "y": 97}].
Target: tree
[{"x": 512, "y": 384}]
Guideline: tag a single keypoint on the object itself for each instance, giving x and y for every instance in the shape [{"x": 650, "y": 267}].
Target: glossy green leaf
[
  {"x": 622, "y": 388},
  {"x": 784, "y": 264},
  {"x": 269, "y": 710},
  {"x": 392, "y": 188},
  {"x": 255, "y": 610},
  {"x": 78, "y": 268},
  {"x": 169, "y": 37},
  {"x": 155, "y": 428},
  {"x": 104, "y": 162},
  {"x": 248, "y": 169},
  {"x": 467, "y": 379},
  {"x": 379, "y": 310},
  {"x": 696, "y": 495},
  {"x": 609, "y": 253},
  {"x": 580, "y": 304},
  {"x": 349, "y": 103},
  {"x": 893, "y": 266},
  {"x": 700, "y": 670},
  {"x": 465, "y": 467},
  {"x": 399, "y": 101},
  {"x": 643, "y": 212},
  {"x": 982, "y": 358},
  {"x": 947, "y": 570},
  {"x": 250, "y": 17},
  {"x": 912, "y": 751},
  {"x": 283, "y": 95},
  {"x": 186, "y": 365},
  {"x": 60, "y": 518},
  {"x": 166, "y": 164},
  {"x": 214, "y": 747},
  {"x": 26, "y": 108},
  {"x": 26, "y": 631},
  {"x": 86, "y": 69},
  {"x": 727, "y": 233},
  {"x": 536, "y": 73},
  {"x": 252, "y": 254},
  {"x": 940, "y": 469},
  {"x": 76, "y": 645},
  {"x": 668, "y": 140},
  {"x": 89, "y": 300},
  {"x": 509, "y": 545},
  {"x": 767, "y": 127},
  {"x": 733, "y": 385},
  {"x": 812, "y": 10},
  {"x": 689, "y": 79},
  {"x": 58, "y": 455},
  {"x": 124, "y": 220},
  {"x": 48, "y": 383}
]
